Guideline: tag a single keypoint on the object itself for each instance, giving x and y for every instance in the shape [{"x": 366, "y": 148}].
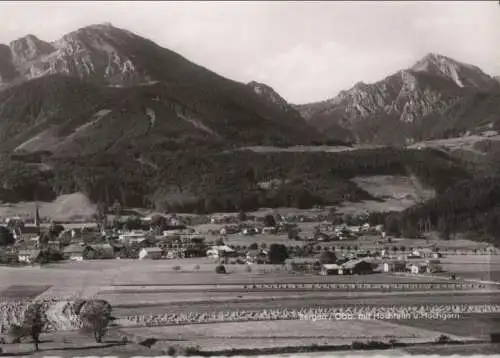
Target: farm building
[
  {"x": 228, "y": 230},
  {"x": 434, "y": 266},
  {"x": 303, "y": 264},
  {"x": 132, "y": 237},
  {"x": 331, "y": 269},
  {"x": 75, "y": 252},
  {"x": 269, "y": 230},
  {"x": 220, "y": 251},
  {"x": 102, "y": 251},
  {"x": 414, "y": 268},
  {"x": 357, "y": 267},
  {"x": 394, "y": 266},
  {"x": 26, "y": 232},
  {"x": 250, "y": 231},
  {"x": 187, "y": 245},
  {"x": 28, "y": 256},
  {"x": 54, "y": 244},
  {"x": 152, "y": 253},
  {"x": 256, "y": 256},
  {"x": 426, "y": 252}
]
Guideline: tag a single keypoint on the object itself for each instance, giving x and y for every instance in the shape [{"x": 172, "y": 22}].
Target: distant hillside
[
  {"x": 403, "y": 107},
  {"x": 469, "y": 207},
  {"x": 200, "y": 180}
]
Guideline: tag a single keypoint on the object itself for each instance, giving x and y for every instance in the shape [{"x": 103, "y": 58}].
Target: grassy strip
[{"x": 356, "y": 345}]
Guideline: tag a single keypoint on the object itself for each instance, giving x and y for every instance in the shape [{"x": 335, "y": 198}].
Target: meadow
[
  {"x": 146, "y": 287},
  {"x": 220, "y": 336}
]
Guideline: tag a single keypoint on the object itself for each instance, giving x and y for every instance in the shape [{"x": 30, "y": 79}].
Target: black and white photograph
[{"x": 249, "y": 178}]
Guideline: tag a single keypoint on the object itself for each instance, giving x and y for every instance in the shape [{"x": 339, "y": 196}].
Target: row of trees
[{"x": 95, "y": 316}]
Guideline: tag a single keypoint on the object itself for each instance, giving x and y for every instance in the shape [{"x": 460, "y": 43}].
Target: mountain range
[
  {"x": 410, "y": 105},
  {"x": 110, "y": 114},
  {"x": 105, "y": 89},
  {"x": 101, "y": 88}
]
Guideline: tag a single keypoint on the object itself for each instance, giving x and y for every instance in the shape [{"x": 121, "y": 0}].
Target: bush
[
  {"x": 394, "y": 342},
  {"x": 220, "y": 269},
  {"x": 357, "y": 345},
  {"x": 176, "y": 268},
  {"x": 443, "y": 339},
  {"x": 191, "y": 351},
  {"x": 171, "y": 351}
]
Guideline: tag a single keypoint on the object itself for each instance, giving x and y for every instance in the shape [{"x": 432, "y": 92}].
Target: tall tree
[
  {"x": 96, "y": 316},
  {"x": 278, "y": 253}
]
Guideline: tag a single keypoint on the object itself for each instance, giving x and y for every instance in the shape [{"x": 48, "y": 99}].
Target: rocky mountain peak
[
  {"x": 100, "y": 53},
  {"x": 29, "y": 48},
  {"x": 431, "y": 86},
  {"x": 463, "y": 74}
]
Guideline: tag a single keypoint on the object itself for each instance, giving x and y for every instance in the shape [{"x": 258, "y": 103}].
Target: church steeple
[{"x": 37, "y": 217}]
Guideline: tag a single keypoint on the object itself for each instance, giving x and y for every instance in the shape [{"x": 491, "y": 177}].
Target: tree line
[{"x": 201, "y": 180}]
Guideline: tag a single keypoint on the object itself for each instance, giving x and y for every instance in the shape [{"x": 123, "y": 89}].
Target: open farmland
[
  {"x": 98, "y": 274},
  {"x": 158, "y": 306},
  {"x": 72, "y": 343},
  {"x": 22, "y": 291},
  {"x": 151, "y": 288},
  {"x": 479, "y": 326},
  {"x": 458, "y": 143},
  {"x": 283, "y": 333}
]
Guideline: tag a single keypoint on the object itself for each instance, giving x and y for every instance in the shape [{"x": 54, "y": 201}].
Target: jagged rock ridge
[{"x": 388, "y": 111}]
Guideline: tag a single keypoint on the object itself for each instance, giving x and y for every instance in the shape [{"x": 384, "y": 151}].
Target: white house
[
  {"x": 331, "y": 269},
  {"x": 132, "y": 237},
  {"x": 415, "y": 254},
  {"x": 153, "y": 253},
  {"x": 75, "y": 252},
  {"x": 217, "y": 251},
  {"x": 355, "y": 229},
  {"x": 414, "y": 269}
]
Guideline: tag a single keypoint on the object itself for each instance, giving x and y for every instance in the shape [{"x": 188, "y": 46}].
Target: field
[
  {"x": 143, "y": 287},
  {"x": 460, "y": 143},
  {"x": 480, "y": 326},
  {"x": 74, "y": 206},
  {"x": 394, "y": 193},
  {"x": 22, "y": 291},
  {"x": 283, "y": 333},
  {"x": 70, "y": 344}
]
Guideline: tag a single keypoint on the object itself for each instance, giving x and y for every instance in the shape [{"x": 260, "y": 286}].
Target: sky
[{"x": 307, "y": 51}]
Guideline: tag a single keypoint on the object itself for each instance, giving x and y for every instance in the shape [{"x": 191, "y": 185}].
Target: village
[{"x": 300, "y": 243}]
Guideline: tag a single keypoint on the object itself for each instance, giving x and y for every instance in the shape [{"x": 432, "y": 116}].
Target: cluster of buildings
[{"x": 178, "y": 240}]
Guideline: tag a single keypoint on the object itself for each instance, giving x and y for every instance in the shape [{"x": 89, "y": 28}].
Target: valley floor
[{"x": 152, "y": 288}]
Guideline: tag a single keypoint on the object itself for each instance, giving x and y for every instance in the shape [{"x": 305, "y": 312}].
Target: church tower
[{"x": 37, "y": 217}]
